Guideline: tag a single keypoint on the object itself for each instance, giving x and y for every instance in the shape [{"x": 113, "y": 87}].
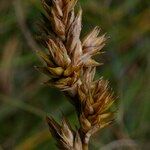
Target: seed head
[
  {"x": 67, "y": 55},
  {"x": 96, "y": 99},
  {"x": 70, "y": 66},
  {"x": 67, "y": 139}
]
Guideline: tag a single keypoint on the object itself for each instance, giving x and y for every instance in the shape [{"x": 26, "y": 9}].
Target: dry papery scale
[{"x": 70, "y": 66}]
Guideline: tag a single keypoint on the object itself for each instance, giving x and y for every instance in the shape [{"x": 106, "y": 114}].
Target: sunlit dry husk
[
  {"x": 96, "y": 100},
  {"x": 66, "y": 138},
  {"x": 67, "y": 54},
  {"x": 70, "y": 67}
]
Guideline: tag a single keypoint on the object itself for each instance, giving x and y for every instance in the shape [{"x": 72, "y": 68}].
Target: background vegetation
[{"x": 24, "y": 101}]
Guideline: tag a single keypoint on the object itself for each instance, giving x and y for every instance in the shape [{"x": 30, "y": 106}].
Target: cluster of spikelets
[{"x": 70, "y": 66}]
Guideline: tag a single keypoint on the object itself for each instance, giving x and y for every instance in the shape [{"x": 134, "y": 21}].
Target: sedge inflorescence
[{"x": 70, "y": 67}]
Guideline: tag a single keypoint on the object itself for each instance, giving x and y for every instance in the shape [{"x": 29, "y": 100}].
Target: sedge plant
[{"x": 70, "y": 66}]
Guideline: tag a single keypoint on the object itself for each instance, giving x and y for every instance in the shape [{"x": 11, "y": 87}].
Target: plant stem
[
  {"x": 85, "y": 140},
  {"x": 85, "y": 146}
]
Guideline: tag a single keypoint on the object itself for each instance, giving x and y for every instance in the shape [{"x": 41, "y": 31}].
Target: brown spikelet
[
  {"x": 66, "y": 55},
  {"x": 67, "y": 139},
  {"x": 96, "y": 99}
]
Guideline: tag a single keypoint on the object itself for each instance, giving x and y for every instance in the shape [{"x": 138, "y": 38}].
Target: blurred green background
[{"x": 25, "y": 101}]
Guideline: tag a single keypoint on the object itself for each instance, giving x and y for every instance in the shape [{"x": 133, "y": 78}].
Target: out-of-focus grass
[{"x": 24, "y": 101}]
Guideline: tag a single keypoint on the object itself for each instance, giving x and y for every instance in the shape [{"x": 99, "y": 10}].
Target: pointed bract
[{"x": 66, "y": 138}]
